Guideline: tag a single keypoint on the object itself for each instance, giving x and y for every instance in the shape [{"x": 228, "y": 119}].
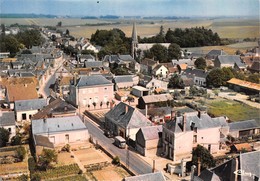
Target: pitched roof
[
  {"x": 58, "y": 124},
  {"x": 183, "y": 66},
  {"x": 242, "y": 125},
  {"x": 148, "y": 61},
  {"x": 249, "y": 163},
  {"x": 21, "y": 92},
  {"x": 156, "y": 98},
  {"x": 7, "y": 118},
  {"x": 245, "y": 84},
  {"x": 241, "y": 146},
  {"x": 208, "y": 175},
  {"x": 255, "y": 66},
  {"x": 41, "y": 140},
  {"x": 32, "y": 104},
  {"x": 156, "y": 176},
  {"x": 189, "y": 62},
  {"x": 58, "y": 106},
  {"x": 195, "y": 72},
  {"x": 202, "y": 122},
  {"x": 93, "y": 80},
  {"x": 123, "y": 78},
  {"x": 216, "y": 52},
  {"x": 157, "y": 67},
  {"x": 93, "y": 64},
  {"x": 127, "y": 116},
  {"x": 229, "y": 59},
  {"x": 151, "y": 132}
]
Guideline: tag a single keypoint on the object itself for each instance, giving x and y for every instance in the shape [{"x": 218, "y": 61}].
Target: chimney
[
  {"x": 172, "y": 114},
  {"x": 199, "y": 114},
  {"x": 199, "y": 165},
  {"x": 126, "y": 109},
  {"x": 44, "y": 120},
  {"x": 66, "y": 108},
  {"x": 75, "y": 79},
  {"x": 221, "y": 52},
  {"x": 184, "y": 122},
  {"x": 193, "y": 167}
]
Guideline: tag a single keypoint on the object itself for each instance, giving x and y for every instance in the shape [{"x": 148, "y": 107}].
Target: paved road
[{"x": 136, "y": 164}]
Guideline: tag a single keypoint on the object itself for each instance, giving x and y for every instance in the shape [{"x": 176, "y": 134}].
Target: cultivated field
[
  {"x": 235, "y": 111},
  {"x": 226, "y": 28}
]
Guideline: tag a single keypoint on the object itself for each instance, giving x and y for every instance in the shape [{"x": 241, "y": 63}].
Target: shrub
[
  {"x": 80, "y": 171},
  {"x": 66, "y": 148},
  {"x": 23, "y": 177},
  {"x": 20, "y": 153},
  {"x": 16, "y": 140},
  {"x": 32, "y": 165},
  {"x": 116, "y": 160},
  {"x": 46, "y": 158}
]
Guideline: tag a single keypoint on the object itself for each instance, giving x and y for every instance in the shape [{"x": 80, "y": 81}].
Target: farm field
[
  {"x": 235, "y": 111},
  {"x": 226, "y": 28}
]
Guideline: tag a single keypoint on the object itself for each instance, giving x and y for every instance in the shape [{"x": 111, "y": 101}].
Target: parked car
[{"x": 120, "y": 142}]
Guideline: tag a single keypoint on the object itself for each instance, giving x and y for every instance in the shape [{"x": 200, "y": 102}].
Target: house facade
[
  {"x": 91, "y": 92},
  {"x": 160, "y": 71},
  {"x": 124, "y": 120},
  {"x": 56, "y": 132},
  {"x": 193, "y": 130},
  {"x": 25, "y": 109},
  {"x": 7, "y": 121}
]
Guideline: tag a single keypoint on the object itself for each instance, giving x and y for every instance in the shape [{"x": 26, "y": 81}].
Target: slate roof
[
  {"x": 123, "y": 78},
  {"x": 58, "y": 106},
  {"x": 93, "y": 64},
  {"x": 130, "y": 119},
  {"x": 230, "y": 59},
  {"x": 140, "y": 88},
  {"x": 7, "y": 119},
  {"x": 204, "y": 122},
  {"x": 242, "y": 125},
  {"x": 156, "y": 176},
  {"x": 216, "y": 52},
  {"x": 255, "y": 66},
  {"x": 249, "y": 162},
  {"x": 148, "y": 61},
  {"x": 207, "y": 175},
  {"x": 43, "y": 141},
  {"x": 195, "y": 72},
  {"x": 151, "y": 132},
  {"x": 58, "y": 124},
  {"x": 33, "y": 104},
  {"x": 156, "y": 98},
  {"x": 93, "y": 80}
]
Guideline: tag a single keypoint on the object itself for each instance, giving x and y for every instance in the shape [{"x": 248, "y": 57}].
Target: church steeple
[{"x": 134, "y": 41}]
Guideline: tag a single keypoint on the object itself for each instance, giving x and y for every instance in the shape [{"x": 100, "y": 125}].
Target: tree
[
  {"x": 30, "y": 38},
  {"x": 253, "y": 78},
  {"x": 46, "y": 158},
  {"x": 3, "y": 29},
  {"x": 9, "y": 43},
  {"x": 16, "y": 140},
  {"x": 20, "y": 152},
  {"x": 159, "y": 52},
  {"x": 215, "y": 78},
  {"x": 174, "y": 51},
  {"x": 200, "y": 63},
  {"x": 176, "y": 82},
  {"x": 120, "y": 71},
  {"x": 4, "y": 136},
  {"x": 67, "y": 32},
  {"x": 227, "y": 74},
  {"x": 206, "y": 158},
  {"x": 59, "y": 24}
]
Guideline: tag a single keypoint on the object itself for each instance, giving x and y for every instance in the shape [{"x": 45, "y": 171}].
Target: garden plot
[
  {"x": 110, "y": 173},
  {"x": 91, "y": 156}
]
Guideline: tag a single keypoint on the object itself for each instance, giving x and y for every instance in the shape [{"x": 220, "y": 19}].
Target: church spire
[{"x": 134, "y": 41}]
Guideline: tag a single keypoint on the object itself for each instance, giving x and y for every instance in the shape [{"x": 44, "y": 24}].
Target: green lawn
[{"x": 233, "y": 110}]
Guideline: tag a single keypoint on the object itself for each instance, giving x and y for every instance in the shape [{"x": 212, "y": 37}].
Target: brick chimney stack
[{"x": 184, "y": 122}]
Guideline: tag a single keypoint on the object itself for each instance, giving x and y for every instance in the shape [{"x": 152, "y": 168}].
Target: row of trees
[
  {"x": 162, "y": 54},
  {"x": 13, "y": 43},
  {"x": 188, "y": 37}
]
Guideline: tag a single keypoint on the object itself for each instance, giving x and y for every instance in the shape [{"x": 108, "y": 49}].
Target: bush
[
  {"x": 80, "y": 171},
  {"x": 66, "y": 148},
  {"x": 23, "y": 177},
  {"x": 46, "y": 158},
  {"x": 16, "y": 140},
  {"x": 20, "y": 153},
  {"x": 32, "y": 165},
  {"x": 116, "y": 160}
]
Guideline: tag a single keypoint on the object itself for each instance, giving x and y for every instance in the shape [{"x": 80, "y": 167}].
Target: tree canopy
[
  {"x": 4, "y": 136},
  {"x": 200, "y": 63},
  {"x": 215, "y": 78},
  {"x": 113, "y": 41},
  {"x": 176, "y": 82},
  {"x": 47, "y": 157},
  {"x": 188, "y": 37},
  {"x": 205, "y": 157},
  {"x": 174, "y": 51}
]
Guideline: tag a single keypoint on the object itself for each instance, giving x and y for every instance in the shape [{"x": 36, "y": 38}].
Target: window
[
  {"x": 195, "y": 139},
  {"x": 67, "y": 138},
  {"x": 9, "y": 129},
  {"x": 105, "y": 89},
  {"x": 105, "y": 99},
  {"x": 24, "y": 116}
]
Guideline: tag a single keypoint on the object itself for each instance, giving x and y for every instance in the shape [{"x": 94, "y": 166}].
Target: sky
[{"x": 133, "y": 7}]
